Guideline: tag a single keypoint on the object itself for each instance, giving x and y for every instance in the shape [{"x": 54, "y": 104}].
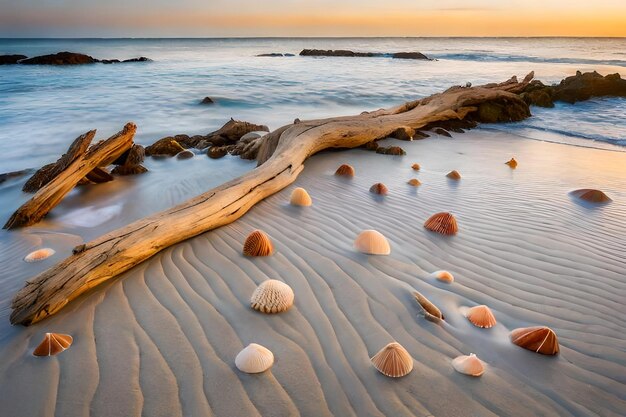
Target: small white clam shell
[
  {"x": 254, "y": 358},
  {"x": 272, "y": 296},
  {"x": 468, "y": 365}
]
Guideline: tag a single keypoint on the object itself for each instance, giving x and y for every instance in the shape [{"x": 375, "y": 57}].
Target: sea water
[{"x": 43, "y": 108}]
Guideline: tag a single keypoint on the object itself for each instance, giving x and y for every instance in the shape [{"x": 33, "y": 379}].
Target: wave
[{"x": 493, "y": 57}]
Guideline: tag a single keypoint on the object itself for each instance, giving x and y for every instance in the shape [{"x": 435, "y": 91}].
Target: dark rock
[
  {"x": 207, "y": 100},
  {"x": 273, "y": 54},
  {"x": 185, "y": 155},
  {"x": 391, "y": 150},
  {"x": 61, "y": 58},
  {"x": 203, "y": 144},
  {"x": 296, "y": 121},
  {"x": 216, "y": 152},
  {"x": 371, "y": 145},
  {"x": 11, "y": 59},
  {"x": 139, "y": 59},
  {"x": 590, "y": 84},
  {"x": 504, "y": 109},
  {"x": 290, "y": 54},
  {"x": 99, "y": 175},
  {"x": 183, "y": 140},
  {"x": 8, "y": 175},
  {"x": 443, "y": 132},
  {"x": 134, "y": 156},
  {"x": 164, "y": 147},
  {"x": 109, "y": 61},
  {"x": 420, "y": 135},
  {"x": 129, "y": 170},
  {"x": 541, "y": 98},
  {"x": 232, "y": 131},
  {"x": 403, "y": 133},
  {"x": 409, "y": 55}
]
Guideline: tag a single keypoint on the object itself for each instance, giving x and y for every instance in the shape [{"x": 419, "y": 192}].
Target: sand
[{"x": 162, "y": 339}]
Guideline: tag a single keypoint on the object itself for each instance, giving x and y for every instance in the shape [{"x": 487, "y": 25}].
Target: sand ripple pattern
[{"x": 162, "y": 340}]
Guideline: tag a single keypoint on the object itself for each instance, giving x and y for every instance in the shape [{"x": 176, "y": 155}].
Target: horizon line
[{"x": 308, "y": 37}]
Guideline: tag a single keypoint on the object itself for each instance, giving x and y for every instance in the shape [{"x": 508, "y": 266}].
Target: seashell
[
  {"x": 39, "y": 255},
  {"x": 539, "y": 339},
  {"x": 593, "y": 196},
  {"x": 393, "y": 360},
  {"x": 481, "y": 316},
  {"x": 271, "y": 297},
  {"x": 379, "y": 188},
  {"x": 416, "y": 167},
  {"x": 443, "y": 223},
  {"x": 443, "y": 276},
  {"x": 299, "y": 197},
  {"x": 254, "y": 359},
  {"x": 468, "y": 365},
  {"x": 512, "y": 163},
  {"x": 258, "y": 244},
  {"x": 372, "y": 242},
  {"x": 345, "y": 170},
  {"x": 414, "y": 182},
  {"x": 454, "y": 175},
  {"x": 428, "y": 306},
  {"x": 53, "y": 344}
]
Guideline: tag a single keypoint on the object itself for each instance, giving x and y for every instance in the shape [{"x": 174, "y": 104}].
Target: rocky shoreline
[{"x": 63, "y": 58}]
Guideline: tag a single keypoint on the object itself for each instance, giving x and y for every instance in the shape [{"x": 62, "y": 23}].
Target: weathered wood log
[
  {"x": 101, "y": 154},
  {"x": 281, "y": 157}
]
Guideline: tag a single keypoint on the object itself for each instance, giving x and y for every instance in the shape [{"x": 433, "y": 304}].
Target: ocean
[{"x": 43, "y": 108}]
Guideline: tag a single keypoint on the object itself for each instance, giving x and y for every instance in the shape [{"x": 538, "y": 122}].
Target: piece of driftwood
[
  {"x": 281, "y": 156},
  {"x": 99, "y": 155}
]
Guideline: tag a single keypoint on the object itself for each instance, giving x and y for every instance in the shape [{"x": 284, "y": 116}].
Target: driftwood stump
[
  {"x": 281, "y": 157},
  {"x": 54, "y": 181}
]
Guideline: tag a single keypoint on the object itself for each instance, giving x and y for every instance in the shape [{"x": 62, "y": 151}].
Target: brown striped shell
[
  {"x": 416, "y": 167},
  {"x": 593, "y": 196},
  {"x": 258, "y": 244},
  {"x": 379, "y": 188},
  {"x": 53, "y": 344},
  {"x": 454, "y": 175},
  {"x": 539, "y": 339},
  {"x": 271, "y": 297},
  {"x": 393, "y": 360},
  {"x": 414, "y": 182},
  {"x": 512, "y": 163},
  {"x": 345, "y": 170},
  {"x": 443, "y": 223},
  {"x": 481, "y": 316}
]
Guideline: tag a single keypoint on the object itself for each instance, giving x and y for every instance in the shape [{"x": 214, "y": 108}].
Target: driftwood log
[
  {"x": 281, "y": 156},
  {"x": 54, "y": 181}
]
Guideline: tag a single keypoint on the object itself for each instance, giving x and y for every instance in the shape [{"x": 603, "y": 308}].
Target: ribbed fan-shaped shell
[
  {"x": 393, "y": 360},
  {"x": 414, "y": 182},
  {"x": 299, "y": 197},
  {"x": 272, "y": 296},
  {"x": 39, "y": 255},
  {"x": 379, "y": 188},
  {"x": 454, "y": 175},
  {"x": 481, "y": 316},
  {"x": 345, "y": 170},
  {"x": 443, "y": 276},
  {"x": 258, "y": 244},
  {"x": 416, "y": 167},
  {"x": 593, "y": 196},
  {"x": 468, "y": 365},
  {"x": 443, "y": 223},
  {"x": 512, "y": 163},
  {"x": 53, "y": 344},
  {"x": 254, "y": 358},
  {"x": 539, "y": 339},
  {"x": 372, "y": 242}
]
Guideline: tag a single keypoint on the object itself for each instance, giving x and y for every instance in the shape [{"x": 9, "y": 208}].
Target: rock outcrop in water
[
  {"x": 347, "y": 53},
  {"x": 63, "y": 58},
  {"x": 11, "y": 59}
]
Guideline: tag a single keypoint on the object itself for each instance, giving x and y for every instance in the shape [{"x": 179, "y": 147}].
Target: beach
[{"x": 162, "y": 338}]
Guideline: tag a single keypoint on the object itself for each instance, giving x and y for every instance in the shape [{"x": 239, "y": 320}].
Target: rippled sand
[{"x": 161, "y": 341}]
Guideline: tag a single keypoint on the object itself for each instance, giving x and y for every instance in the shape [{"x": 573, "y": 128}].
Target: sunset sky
[{"x": 196, "y": 18}]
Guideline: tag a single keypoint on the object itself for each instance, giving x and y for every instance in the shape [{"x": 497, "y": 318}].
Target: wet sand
[{"x": 161, "y": 340}]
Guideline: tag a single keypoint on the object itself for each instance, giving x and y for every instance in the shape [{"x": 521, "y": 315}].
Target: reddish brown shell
[
  {"x": 345, "y": 170},
  {"x": 481, "y": 316},
  {"x": 539, "y": 339},
  {"x": 512, "y": 163},
  {"x": 416, "y": 167},
  {"x": 53, "y": 344},
  {"x": 591, "y": 195},
  {"x": 258, "y": 244},
  {"x": 414, "y": 182},
  {"x": 393, "y": 360},
  {"x": 379, "y": 188},
  {"x": 443, "y": 223},
  {"x": 454, "y": 175}
]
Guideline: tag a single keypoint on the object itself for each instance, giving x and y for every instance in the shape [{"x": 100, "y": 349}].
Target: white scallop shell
[
  {"x": 443, "y": 276},
  {"x": 39, "y": 255},
  {"x": 299, "y": 197},
  {"x": 372, "y": 243},
  {"x": 272, "y": 296},
  {"x": 254, "y": 359},
  {"x": 468, "y": 365}
]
